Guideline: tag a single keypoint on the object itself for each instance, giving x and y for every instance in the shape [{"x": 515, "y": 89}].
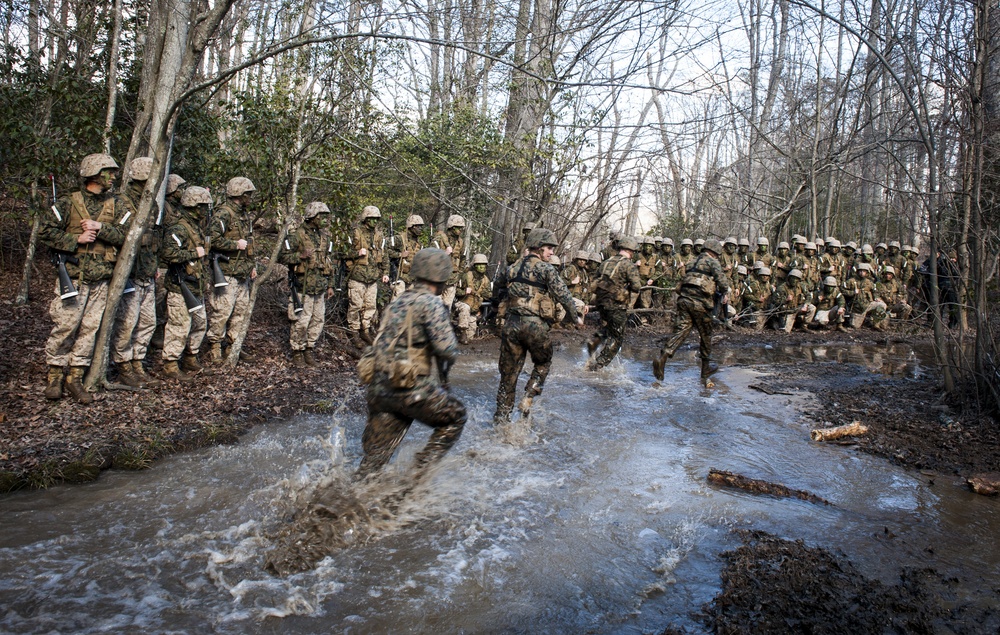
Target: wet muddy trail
[{"x": 594, "y": 516}]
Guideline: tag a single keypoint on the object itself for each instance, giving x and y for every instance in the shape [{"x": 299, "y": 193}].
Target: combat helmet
[
  {"x": 456, "y": 220},
  {"x": 894, "y": 243},
  {"x": 763, "y": 242},
  {"x": 314, "y": 209},
  {"x": 370, "y": 211},
  {"x": 764, "y": 271},
  {"x": 867, "y": 249},
  {"x": 829, "y": 281},
  {"x": 744, "y": 242},
  {"x": 731, "y": 240},
  {"x": 889, "y": 269},
  {"x": 92, "y": 165},
  {"x": 783, "y": 245},
  {"x": 539, "y": 237},
  {"x": 629, "y": 243},
  {"x": 595, "y": 257},
  {"x": 581, "y": 255},
  {"x": 528, "y": 227},
  {"x": 668, "y": 241},
  {"x": 713, "y": 246},
  {"x": 795, "y": 273},
  {"x": 140, "y": 168},
  {"x": 688, "y": 242},
  {"x": 480, "y": 259},
  {"x": 414, "y": 220},
  {"x": 741, "y": 270},
  {"x": 431, "y": 264},
  {"x": 700, "y": 242},
  {"x": 238, "y": 186},
  {"x": 174, "y": 181},
  {"x": 864, "y": 266},
  {"x": 195, "y": 196},
  {"x": 810, "y": 245},
  {"x": 554, "y": 260}
]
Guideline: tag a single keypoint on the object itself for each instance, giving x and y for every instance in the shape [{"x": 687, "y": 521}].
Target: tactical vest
[
  {"x": 78, "y": 213},
  {"x": 538, "y": 302},
  {"x": 192, "y": 267},
  {"x": 699, "y": 280},
  {"x": 403, "y": 373},
  {"x": 606, "y": 281}
]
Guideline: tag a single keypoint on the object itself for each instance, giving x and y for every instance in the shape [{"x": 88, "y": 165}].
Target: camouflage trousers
[
  {"x": 804, "y": 314},
  {"x": 875, "y": 310},
  {"x": 520, "y": 336},
  {"x": 448, "y": 296},
  {"x": 829, "y": 316},
  {"x": 361, "y": 299},
  {"x": 465, "y": 317},
  {"x": 308, "y": 325},
  {"x": 392, "y": 411},
  {"x": 71, "y": 342},
  {"x": 691, "y": 314},
  {"x": 135, "y": 323},
  {"x": 228, "y": 309},
  {"x": 184, "y": 331},
  {"x": 614, "y": 317}
]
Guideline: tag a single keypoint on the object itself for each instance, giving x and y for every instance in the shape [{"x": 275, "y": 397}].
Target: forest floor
[{"x": 911, "y": 421}]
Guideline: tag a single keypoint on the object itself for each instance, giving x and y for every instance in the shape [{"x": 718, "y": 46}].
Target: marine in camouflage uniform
[
  {"x": 309, "y": 254},
  {"x": 686, "y": 253},
  {"x": 893, "y": 294},
  {"x": 702, "y": 282},
  {"x": 781, "y": 263},
  {"x": 669, "y": 272},
  {"x": 475, "y": 288},
  {"x": 230, "y": 233},
  {"x": 645, "y": 263},
  {"x": 406, "y": 246},
  {"x": 860, "y": 290},
  {"x": 184, "y": 252},
  {"x": 756, "y": 297},
  {"x": 763, "y": 253},
  {"x": 532, "y": 288},
  {"x": 415, "y": 341},
  {"x": 136, "y": 319},
  {"x": 367, "y": 265},
  {"x": 576, "y": 275},
  {"x": 86, "y": 225},
  {"x": 831, "y": 305},
  {"x": 790, "y": 302},
  {"x": 168, "y": 218},
  {"x": 452, "y": 240},
  {"x": 517, "y": 246},
  {"x": 728, "y": 259},
  {"x": 616, "y": 279},
  {"x": 744, "y": 255}
]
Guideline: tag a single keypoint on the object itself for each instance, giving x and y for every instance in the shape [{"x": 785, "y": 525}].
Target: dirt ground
[{"x": 769, "y": 584}]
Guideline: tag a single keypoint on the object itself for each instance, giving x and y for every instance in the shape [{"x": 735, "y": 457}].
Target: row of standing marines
[{"x": 210, "y": 253}]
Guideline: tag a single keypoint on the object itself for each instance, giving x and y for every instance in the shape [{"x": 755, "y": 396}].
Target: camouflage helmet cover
[
  {"x": 581, "y": 255},
  {"x": 480, "y": 259},
  {"x": 658, "y": 240},
  {"x": 195, "y": 196},
  {"x": 668, "y": 241},
  {"x": 830, "y": 281},
  {"x": 867, "y": 249},
  {"x": 174, "y": 181},
  {"x": 833, "y": 242},
  {"x": 539, "y": 237},
  {"x": 140, "y": 168},
  {"x": 853, "y": 246},
  {"x": 763, "y": 241},
  {"x": 314, "y": 209},
  {"x": 783, "y": 245},
  {"x": 713, "y": 246},
  {"x": 795, "y": 273},
  {"x": 763, "y": 271},
  {"x": 370, "y": 211},
  {"x": 889, "y": 269},
  {"x": 456, "y": 220},
  {"x": 894, "y": 243},
  {"x": 699, "y": 243},
  {"x": 92, "y": 165},
  {"x": 687, "y": 241},
  {"x": 742, "y": 270},
  {"x": 731, "y": 240},
  {"x": 864, "y": 266},
  {"x": 414, "y": 220},
  {"x": 528, "y": 227},
  {"x": 554, "y": 260},
  {"x": 744, "y": 242},
  {"x": 595, "y": 257},
  {"x": 238, "y": 186},
  {"x": 629, "y": 243},
  {"x": 909, "y": 248},
  {"x": 799, "y": 240},
  {"x": 811, "y": 245},
  {"x": 431, "y": 264}
]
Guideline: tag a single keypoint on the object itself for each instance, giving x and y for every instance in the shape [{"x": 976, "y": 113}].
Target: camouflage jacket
[
  {"x": 763, "y": 256},
  {"x": 482, "y": 289},
  {"x": 60, "y": 227},
  {"x": 890, "y": 292},
  {"x": 757, "y": 293},
  {"x": 703, "y": 279},
  {"x": 403, "y": 251},
  {"x": 646, "y": 264},
  {"x": 861, "y": 291},
  {"x": 309, "y": 253},
  {"x": 370, "y": 268},
  {"x": 516, "y": 249},
  {"x": 746, "y": 259},
  {"x": 577, "y": 281},
  {"x": 685, "y": 258},
  {"x": 781, "y": 265},
  {"x": 431, "y": 336},
  {"x": 446, "y": 239},
  {"x": 147, "y": 260},
  {"x": 180, "y": 253},
  {"x": 829, "y": 265},
  {"x": 729, "y": 262},
  {"x": 827, "y": 301},
  {"x": 228, "y": 225},
  {"x": 532, "y": 288},
  {"x": 616, "y": 278},
  {"x": 789, "y": 296},
  {"x": 669, "y": 269},
  {"x": 171, "y": 212}
]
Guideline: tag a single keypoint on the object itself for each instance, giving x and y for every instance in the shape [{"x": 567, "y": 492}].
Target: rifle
[
  {"x": 218, "y": 278},
  {"x": 294, "y": 285},
  {"x": 393, "y": 262},
  {"x": 720, "y": 309},
  {"x": 191, "y": 301},
  {"x": 66, "y": 288},
  {"x": 486, "y": 312}
]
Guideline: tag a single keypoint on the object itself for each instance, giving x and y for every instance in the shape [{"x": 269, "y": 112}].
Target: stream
[{"x": 592, "y": 517}]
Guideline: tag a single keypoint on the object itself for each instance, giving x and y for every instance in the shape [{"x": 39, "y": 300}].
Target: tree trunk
[{"x": 109, "y": 120}]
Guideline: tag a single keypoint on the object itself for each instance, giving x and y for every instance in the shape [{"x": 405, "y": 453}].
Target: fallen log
[
  {"x": 987, "y": 484},
  {"x": 768, "y": 390},
  {"x": 852, "y": 429},
  {"x": 757, "y": 486}
]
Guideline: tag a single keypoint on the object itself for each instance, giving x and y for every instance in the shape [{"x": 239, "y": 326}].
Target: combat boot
[
  {"x": 172, "y": 371},
  {"x": 54, "y": 385},
  {"x": 463, "y": 336},
  {"x": 365, "y": 335},
  {"x": 74, "y": 385},
  {"x": 307, "y": 357},
  {"x": 190, "y": 365},
  {"x": 146, "y": 378},
  {"x": 708, "y": 368},
  {"x": 215, "y": 353},
  {"x": 842, "y": 328},
  {"x": 529, "y": 396},
  {"x": 127, "y": 376},
  {"x": 247, "y": 356},
  {"x": 298, "y": 359}
]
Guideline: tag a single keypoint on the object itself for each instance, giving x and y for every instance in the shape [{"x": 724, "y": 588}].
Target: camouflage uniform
[
  {"x": 529, "y": 285},
  {"x": 455, "y": 242},
  {"x": 645, "y": 263},
  {"x": 669, "y": 272},
  {"x": 695, "y": 301},
  {"x": 830, "y": 306},
  {"x": 893, "y": 295},
  {"x": 136, "y": 318},
  {"x": 309, "y": 253},
  {"x": 229, "y": 306},
  {"x": 861, "y": 291},
  {"x": 577, "y": 280},
  {"x": 475, "y": 288},
  {"x": 185, "y": 330},
  {"x": 392, "y": 409},
  {"x": 616, "y": 278},
  {"x": 77, "y": 319},
  {"x": 790, "y": 301},
  {"x": 365, "y": 274},
  {"x": 756, "y": 298},
  {"x": 407, "y": 244}
]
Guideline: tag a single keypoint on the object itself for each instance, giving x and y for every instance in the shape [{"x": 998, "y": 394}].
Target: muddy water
[{"x": 595, "y": 518}]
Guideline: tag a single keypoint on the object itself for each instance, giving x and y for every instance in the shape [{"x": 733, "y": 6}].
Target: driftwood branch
[
  {"x": 756, "y": 486},
  {"x": 852, "y": 429}
]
